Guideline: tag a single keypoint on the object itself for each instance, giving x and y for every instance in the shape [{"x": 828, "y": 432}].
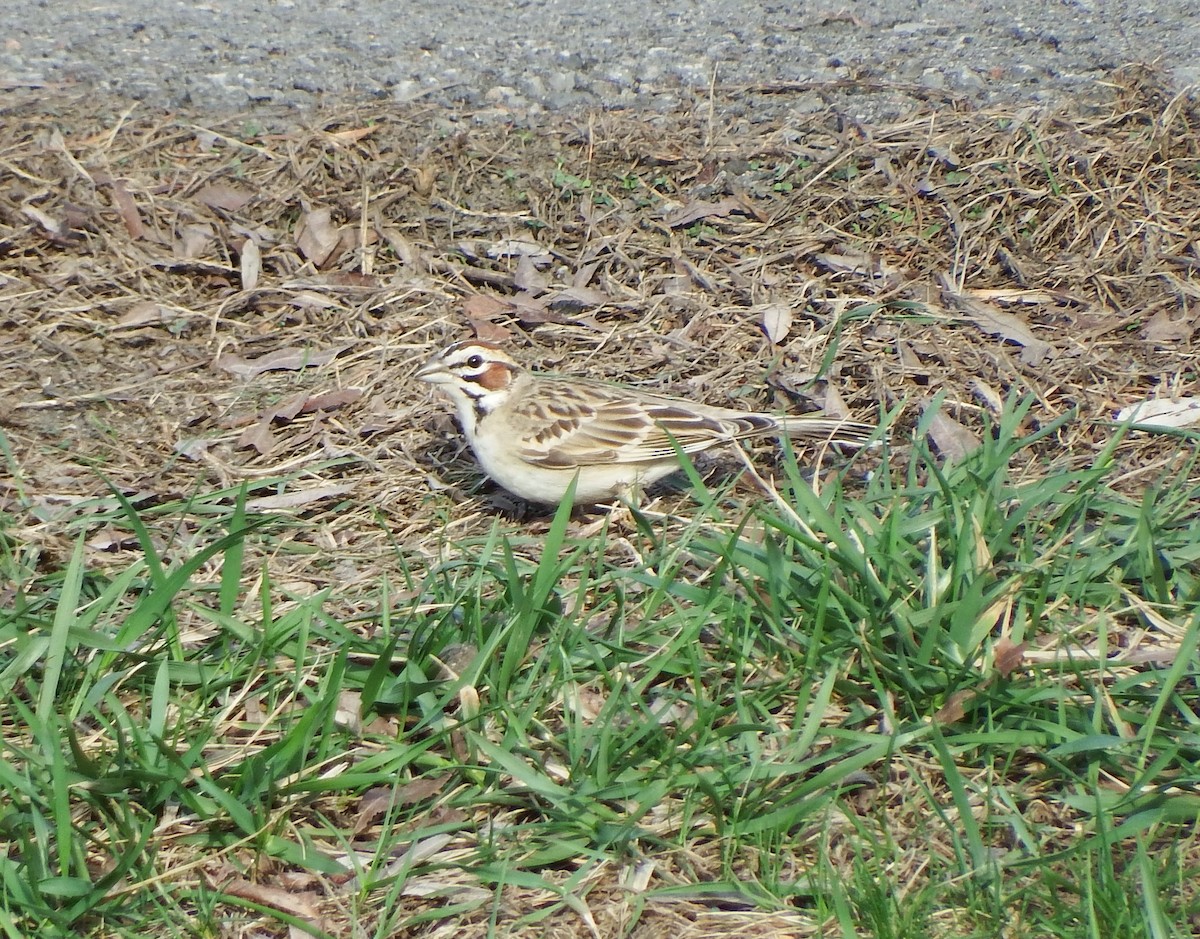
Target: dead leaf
[
  {"x": 833, "y": 404},
  {"x": 695, "y": 211},
  {"x": 910, "y": 361},
  {"x": 1164, "y": 330},
  {"x": 193, "y": 241},
  {"x": 484, "y": 307},
  {"x": 223, "y": 196},
  {"x": 584, "y": 702},
  {"x": 259, "y": 436},
  {"x": 316, "y": 235},
  {"x": 348, "y": 713},
  {"x": 953, "y": 441},
  {"x": 1161, "y": 413},
  {"x": 401, "y": 247},
  {"x": 1009, "y": 656},
  {"x": 519, "y": 248},
  {"x": 489, "y": 331},
  {"x": 289, "y": 359},
  {"x": 372, "y": 806},
  {"x": 777, "y": 322},
  {"x": 1031, "y": 296},
  {"x": 288, "y": 409},
  {"x": 305, "y": 904},
  {"x": 849, "y": 261},
  {"x": 528, "y": 278},
  {"x": 251, "y": 264},
  {"x": 577, "y": 299},
  {"x": 584, "y": 275},
  {"x": 193, "y": 448},
  {"x": 996, "y": 322},
  {"x": 353, "y": 134},
  {"x": 127, "y": 208},
  {"x": 683, "y": 266},
  {"x": 989, "y": 395},
  {"x": 110, "y": 539},
  {"x": 57, "y": 230},
  {"x": 142, "y": 313},
  {"x": 421, "y": 789},
  {"x": 424, "y": 179},
  {"x": 297, "y": 499},
  {"x": 350, "y": 279},
  {"x": 310, "y": 300},
  {"x": 955, "y": 708},
  {"x": 331, "y": 400},
  {"x": 532, "y": 310}
]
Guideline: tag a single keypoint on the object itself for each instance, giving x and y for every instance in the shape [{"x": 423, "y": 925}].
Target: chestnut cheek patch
[{"x": 494, "y": 377}]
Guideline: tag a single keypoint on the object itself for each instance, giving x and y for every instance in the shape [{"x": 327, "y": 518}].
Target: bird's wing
[{"x": 569, "y": 424}]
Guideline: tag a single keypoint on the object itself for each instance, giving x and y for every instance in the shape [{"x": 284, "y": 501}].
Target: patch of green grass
[{"x": 941, "y": 699}]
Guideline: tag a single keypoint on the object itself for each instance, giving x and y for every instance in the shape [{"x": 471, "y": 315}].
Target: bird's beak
[{"x": 432, "y": 371}]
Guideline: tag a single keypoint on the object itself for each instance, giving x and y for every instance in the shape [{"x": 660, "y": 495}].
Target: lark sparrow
[{"x": 532, "y": 432}]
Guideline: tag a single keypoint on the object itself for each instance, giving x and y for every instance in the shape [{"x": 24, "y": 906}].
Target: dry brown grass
[
  {"x": 123, "y": 295},
  {"x": 128, "y": 311}
]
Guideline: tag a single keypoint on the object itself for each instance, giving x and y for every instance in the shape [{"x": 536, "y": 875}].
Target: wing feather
[{"x": 571, "y": 424}]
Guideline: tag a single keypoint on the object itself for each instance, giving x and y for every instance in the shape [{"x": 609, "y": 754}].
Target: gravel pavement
[{"x": 238, "y": 55}]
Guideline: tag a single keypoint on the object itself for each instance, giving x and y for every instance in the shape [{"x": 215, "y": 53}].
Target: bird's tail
[{"x": 847, "y": 433}]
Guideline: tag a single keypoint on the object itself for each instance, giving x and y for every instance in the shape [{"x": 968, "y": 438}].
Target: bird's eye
[{"x": 475, "y": 361}]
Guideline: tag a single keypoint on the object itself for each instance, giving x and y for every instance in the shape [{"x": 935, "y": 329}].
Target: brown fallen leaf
[
  {"x": 910, "y": 362},
  {"x": 353, "y": 134},
  {"x": 421, "y": 788},
  {"x": 127, "y": 208},
  {"x": 1009, "y": 656},
  {"x": 575, "y": 299},
  {"x": 833, "y": 404},
  {"x": 223, "y": 196},
  {"x": 996, "y": 322},
  {"x": 424, "y": 179},
  {"x": 258, "y": 436},
  {"x": 349, "y": 279},
  {"x": 528, "y": 278},
  {"x": 371, "y": 807},
  {"x": 519, "y": 248},
  {"x": 317, "y": 236},
  {"x": 289, "y": 359},
  {"x": 110, "y": 539},
  {"x": 287, "y": 410},
  {"x": 348, "y": 713},
  {"x": 489, "y": 331},
  {"x": 311, "y": 300},
  {"x": 988, "y": 395},
  {"x": 583, "y": 276},
  {"x": 193, "y": 241},
  {"x": 297, "y": 499},
  {"x": 696, "y": 211},
  {"x": 1159, "y": 413},
  {"x": 251, "y": 264},
  {"x": 850, "y": 261},
  {"x": 405, "y": 253},
  {"x": 532, "y": 310},
  {"x": 57, "y": 230},
  {"x": 142, "y": 313},
  {"x": 485, "y": 307},
  {"x": 777, "y": 322},
  {"x": 331, "y": 400},
  {"x": 1164, "y": 330},
  {"x": 305, "y": 904},
  {"x": 955, "y": 708},
  {"x": 953, "y": 441}
]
